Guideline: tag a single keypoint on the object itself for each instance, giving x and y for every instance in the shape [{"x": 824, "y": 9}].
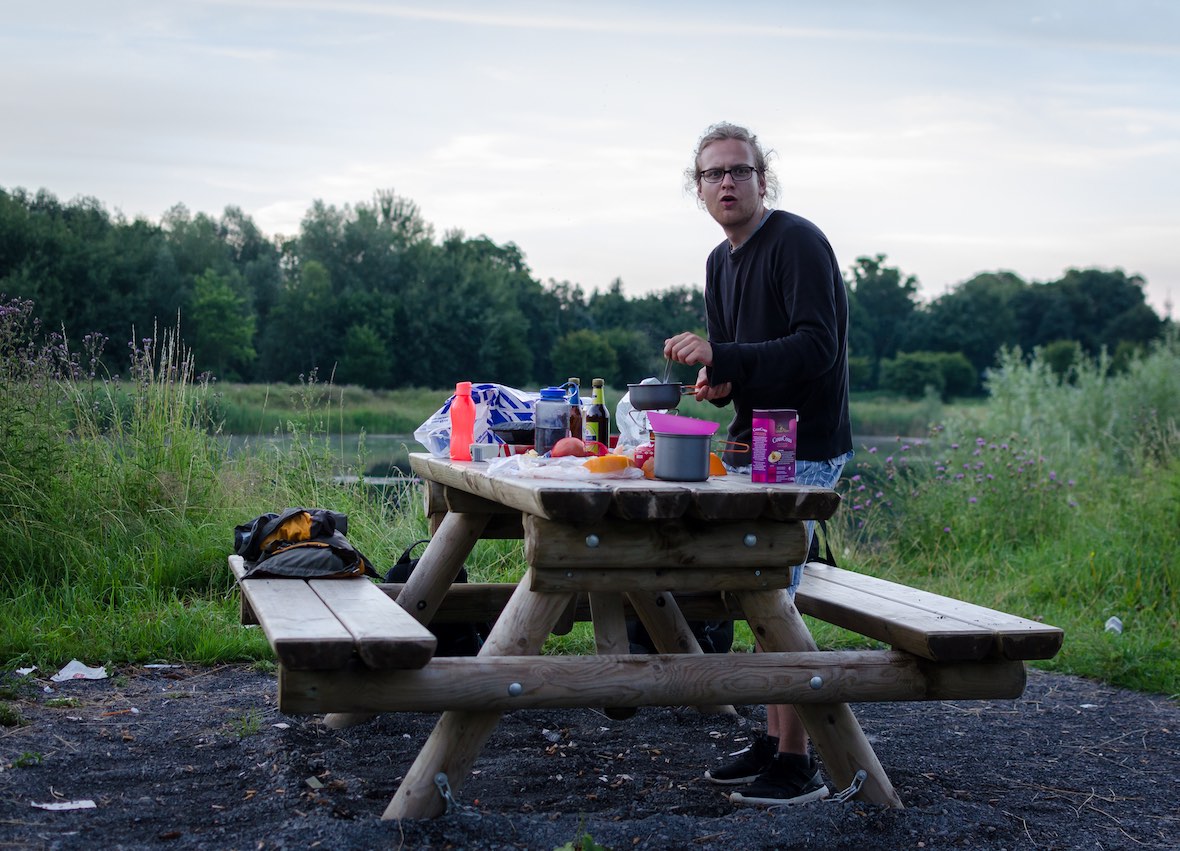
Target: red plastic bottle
[{"x": 462, "y": 422}]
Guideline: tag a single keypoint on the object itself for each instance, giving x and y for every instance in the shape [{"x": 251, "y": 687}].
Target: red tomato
[{"x": 569, "y": 446}]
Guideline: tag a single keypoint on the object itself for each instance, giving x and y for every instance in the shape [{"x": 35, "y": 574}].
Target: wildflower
[
  {"x": 954, "y": 446},
  {"x": 905, "y": 447},
  {"x": 972, "y": 500},
  {"x": 946, "y": 529},
  {"x": 979, "y": 441},
  {"x": 872, "y": 450},
  {"x": 889, "y": 460},
  {"x": 1052, "y": 476}
]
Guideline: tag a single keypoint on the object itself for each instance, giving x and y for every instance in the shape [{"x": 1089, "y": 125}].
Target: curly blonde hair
[{"x": 724, "y": 130}]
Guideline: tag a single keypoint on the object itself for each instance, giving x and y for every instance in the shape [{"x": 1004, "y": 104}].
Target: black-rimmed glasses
[{"x": 716, "y": 175}]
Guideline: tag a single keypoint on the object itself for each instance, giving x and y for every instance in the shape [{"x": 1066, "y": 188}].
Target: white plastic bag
[
  {"x": 494, "y": 404},
  {"x": 566, "y": 468}
]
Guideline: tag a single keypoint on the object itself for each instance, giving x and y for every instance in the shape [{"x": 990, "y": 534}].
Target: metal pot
[
  {"x": 682, "y": 457},
  {"x": 657, "y": 397}
]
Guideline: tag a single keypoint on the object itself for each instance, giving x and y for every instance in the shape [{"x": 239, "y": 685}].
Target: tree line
[{"x": 366, "y": 294}]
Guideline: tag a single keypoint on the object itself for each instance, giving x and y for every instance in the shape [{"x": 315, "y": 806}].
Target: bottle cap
[
  {"x": 552, "y": 392},
  {"x": 463, "y": 388}
]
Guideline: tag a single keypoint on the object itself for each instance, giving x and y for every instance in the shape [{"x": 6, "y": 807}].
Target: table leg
[
  {"x": 424, "y": 591},
  {"x": 458, "y": 737},
  {"x": 833, "y": 728},
  {"x": 670, "y": 631},
  {"x": 610, "y": 637}
]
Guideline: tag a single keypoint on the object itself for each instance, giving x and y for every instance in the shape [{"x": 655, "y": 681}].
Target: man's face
[{"x": 735, "y": 205}]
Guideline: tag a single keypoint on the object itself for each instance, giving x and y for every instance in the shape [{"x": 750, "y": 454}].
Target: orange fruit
[
  {"x": 649, "y": 468},
  {"x": 607, "y": 463},
  {"x": 716, "y": 468}
]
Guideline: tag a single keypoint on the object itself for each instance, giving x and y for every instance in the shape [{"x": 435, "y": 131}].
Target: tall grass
[
  {"x": 1058, "y": 500},
  {"x": 118, "y": 503}
]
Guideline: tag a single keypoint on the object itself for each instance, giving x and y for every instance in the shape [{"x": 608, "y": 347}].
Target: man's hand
[
  {"x": 689, "y": 348},
  {"x": 705, "y": 393}
]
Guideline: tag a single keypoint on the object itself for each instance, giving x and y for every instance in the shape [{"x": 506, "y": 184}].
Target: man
[{"x": 777, "y": 316}]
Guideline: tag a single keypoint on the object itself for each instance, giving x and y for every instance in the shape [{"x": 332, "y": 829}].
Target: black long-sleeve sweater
[{"x": 778, "y": 324}]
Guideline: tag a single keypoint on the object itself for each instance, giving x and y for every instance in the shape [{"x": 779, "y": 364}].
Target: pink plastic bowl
[{"x": 673, "y": 424}]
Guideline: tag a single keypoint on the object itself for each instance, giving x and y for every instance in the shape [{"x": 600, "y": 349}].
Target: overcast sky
[{"x": 953, "y": 138}]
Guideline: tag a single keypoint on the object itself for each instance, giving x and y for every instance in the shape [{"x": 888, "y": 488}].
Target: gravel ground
[{"x": 196, "y": 758}]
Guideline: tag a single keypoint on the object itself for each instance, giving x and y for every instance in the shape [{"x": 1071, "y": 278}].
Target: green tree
[
  {"x": 975, "y": 318},
  {"x": 885, "y": 301},
  {"x": 294, "y": 342},
  {"x": 1062, "y": 356},
  {"x": 911, "y": 373},
  {"x": 632, "y": 354},
  {"x": 365, "y": 360},
  {"x": 221, "y": 327},
  {"x": 585, "y": 354}
]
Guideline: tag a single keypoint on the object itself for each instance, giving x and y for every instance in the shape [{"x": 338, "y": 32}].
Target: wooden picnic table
[{"x": 607, "y": 548}]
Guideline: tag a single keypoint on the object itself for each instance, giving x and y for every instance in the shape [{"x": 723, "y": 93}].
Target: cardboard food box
[{"x": 772, "y": 445}]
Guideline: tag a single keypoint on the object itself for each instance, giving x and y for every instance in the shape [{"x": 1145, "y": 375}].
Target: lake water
[{"x": 380, "y": 454}]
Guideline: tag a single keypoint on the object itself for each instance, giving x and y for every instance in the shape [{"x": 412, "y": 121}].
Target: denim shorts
[{"x": 823, "y": 474}]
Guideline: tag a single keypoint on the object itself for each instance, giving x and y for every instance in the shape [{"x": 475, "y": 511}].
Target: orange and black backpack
[{"x": 305, "y": 543}]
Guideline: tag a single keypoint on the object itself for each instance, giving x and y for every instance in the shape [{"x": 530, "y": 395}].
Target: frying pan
[{"x": 657, "y": 397}]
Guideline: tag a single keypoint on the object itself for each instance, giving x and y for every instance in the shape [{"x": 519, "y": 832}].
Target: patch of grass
[
  {"x": 63, "y": 703},
  {"x": 249, "y": 724},
  {"x": 585, "y": 842},
  {"x": 28, "y": 759},
  {"x": 10, "y": 716}
]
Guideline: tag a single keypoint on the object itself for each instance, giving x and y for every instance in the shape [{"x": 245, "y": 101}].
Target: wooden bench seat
[
  {"x": 324, "y": 624},
  {"x": 929, "y": 625},
  {"x": 932, "y": 626}
]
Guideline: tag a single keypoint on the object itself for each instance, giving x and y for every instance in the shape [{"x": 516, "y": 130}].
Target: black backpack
[{"x": 454, "y": 639}]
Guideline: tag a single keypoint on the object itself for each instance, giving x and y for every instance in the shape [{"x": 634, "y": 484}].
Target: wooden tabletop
[{"x": 731, "y": 497}]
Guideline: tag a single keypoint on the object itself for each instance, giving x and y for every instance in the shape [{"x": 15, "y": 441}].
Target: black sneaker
[
  {"x": 749, "y": 763},
  {"x": 790, "y": 779}
]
